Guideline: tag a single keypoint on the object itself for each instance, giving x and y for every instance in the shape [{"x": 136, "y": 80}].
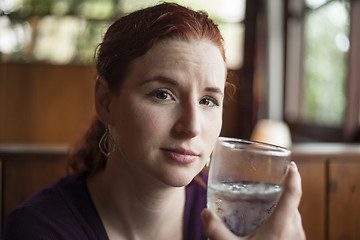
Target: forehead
[
  {"x": 188, "y": 51},
  {"x": 200, "y": 58}
]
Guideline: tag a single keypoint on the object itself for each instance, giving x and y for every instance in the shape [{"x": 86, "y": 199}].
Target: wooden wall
[
  {"x": 25, "y": 169},
  {"x": 42, "y": 103},
  {"x": 330, "y": 206}
]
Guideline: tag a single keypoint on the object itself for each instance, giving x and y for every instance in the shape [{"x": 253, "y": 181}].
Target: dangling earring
[
  {"x": 208, "y": 162},
  {"x": 106, "y": 143}
]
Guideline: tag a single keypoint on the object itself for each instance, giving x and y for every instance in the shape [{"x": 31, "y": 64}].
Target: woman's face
[{"x": 168, "y": 114}]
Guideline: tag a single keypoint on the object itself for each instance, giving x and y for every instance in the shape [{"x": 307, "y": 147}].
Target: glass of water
[{"x": 245, "y": 182}]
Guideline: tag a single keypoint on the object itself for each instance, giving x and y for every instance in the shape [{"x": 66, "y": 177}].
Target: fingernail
[
  {"x": 293, "y": 164},
  {"x": 206, "y": 215}
]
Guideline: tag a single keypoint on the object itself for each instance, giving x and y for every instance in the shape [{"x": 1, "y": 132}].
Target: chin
[
  {"x": 179, "y": 178},
  {"x": 180, "y": 182}
]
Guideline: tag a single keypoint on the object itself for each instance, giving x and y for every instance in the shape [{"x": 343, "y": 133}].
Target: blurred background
[
  {"x": 295, "y": 61},
  {"x": 296, "y": 64}
]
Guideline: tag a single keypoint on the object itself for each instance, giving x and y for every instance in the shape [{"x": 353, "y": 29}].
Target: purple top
[{"x": 65, "y": 210}]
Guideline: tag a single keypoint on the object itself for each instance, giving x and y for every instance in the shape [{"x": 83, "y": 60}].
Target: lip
[{"x": 180, "y": 155}]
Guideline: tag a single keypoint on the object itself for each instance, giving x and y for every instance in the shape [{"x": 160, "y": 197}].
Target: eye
[
  {"x": 161, "y": 94},
  {"x": 209, "y": 101}
]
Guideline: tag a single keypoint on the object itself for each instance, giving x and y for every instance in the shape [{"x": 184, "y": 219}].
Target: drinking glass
[{"x": 245, "y": 182}]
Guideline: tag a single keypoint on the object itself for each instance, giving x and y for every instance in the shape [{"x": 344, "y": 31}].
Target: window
[
  {"x": 322, "y": 83},
  {"x": 27, "y": 31}
]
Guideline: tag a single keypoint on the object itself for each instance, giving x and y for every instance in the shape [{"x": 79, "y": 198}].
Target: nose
[{"x": 188, "y": 123}]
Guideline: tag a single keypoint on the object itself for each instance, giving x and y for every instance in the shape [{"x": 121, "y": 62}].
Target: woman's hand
[{"x": 284, "y": 223}]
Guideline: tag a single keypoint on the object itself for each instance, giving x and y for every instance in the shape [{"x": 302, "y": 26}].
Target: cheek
[
  {"x": 212, "y": 123},
  {"x": 211, "y": 131},
  {"x": 143, "y": 123},
  {"x": 150, "y": 124},
  {"x": 139, "y": 130}
]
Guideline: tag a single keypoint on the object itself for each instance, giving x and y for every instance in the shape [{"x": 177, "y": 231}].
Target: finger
[
  {"x": 290, "y": 199},
  {"x": 298, "y": 217},
  {"x": 214, "y": 228},
  {"x": 298, "y": 229}
]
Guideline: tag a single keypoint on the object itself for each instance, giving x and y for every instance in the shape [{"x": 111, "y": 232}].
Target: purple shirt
[{"x": 65, "y": 210}]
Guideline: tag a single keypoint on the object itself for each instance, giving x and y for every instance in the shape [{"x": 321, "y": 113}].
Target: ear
[{"x": 103, "y": 98}]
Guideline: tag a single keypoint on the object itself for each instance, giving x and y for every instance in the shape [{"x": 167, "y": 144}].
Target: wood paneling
[
  {"x": 344, "y": 199},
  {"x": 27, "y": 169},
  {"x": 1, "y": 195},
  {"x": 313, "y": 203},
  {"x": 42, "y": 103},
  {"x": 331, "y": 188}
]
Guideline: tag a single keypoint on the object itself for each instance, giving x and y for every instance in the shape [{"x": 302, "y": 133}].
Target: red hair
[
  {"x": 128, "y": 38},
  {"x": 131, "y": 36}
]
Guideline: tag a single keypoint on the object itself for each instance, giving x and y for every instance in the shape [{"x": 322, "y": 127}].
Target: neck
[{"x": 135, "y": 206}]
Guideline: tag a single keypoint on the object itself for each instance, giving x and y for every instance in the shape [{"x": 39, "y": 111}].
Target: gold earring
[{"x": 106, "y": 143}]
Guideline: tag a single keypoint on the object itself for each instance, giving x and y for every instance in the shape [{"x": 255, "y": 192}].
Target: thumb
[
  {"x": 214, "y": 228},
  {"x": 289, "y": 201},
  {"x": 285, "y": 221}
]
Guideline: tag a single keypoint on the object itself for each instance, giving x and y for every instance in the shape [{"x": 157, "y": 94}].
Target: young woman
[{"x": 158, "y": 97}]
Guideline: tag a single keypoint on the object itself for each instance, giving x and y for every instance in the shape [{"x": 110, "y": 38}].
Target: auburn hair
[{"x": 128, "y": 38}]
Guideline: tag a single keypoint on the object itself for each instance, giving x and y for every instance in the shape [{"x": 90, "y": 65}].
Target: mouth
[{"x": 180, "y": 155}]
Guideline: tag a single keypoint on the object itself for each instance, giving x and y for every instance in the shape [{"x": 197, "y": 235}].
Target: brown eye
[
  {"x": 209, "y": 101},
  {"x": 161, "y": 95}
]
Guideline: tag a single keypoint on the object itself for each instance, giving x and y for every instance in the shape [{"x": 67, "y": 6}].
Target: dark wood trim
[
  {"x": 301, "y": 132},
  {"x": 245, "y": 95},
  {"x": 353, "y": 82}
]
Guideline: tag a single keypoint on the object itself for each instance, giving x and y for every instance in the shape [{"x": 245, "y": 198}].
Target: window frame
[{"x": 301, "y": 132}]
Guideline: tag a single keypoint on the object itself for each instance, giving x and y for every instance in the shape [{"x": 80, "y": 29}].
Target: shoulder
[
  {"x": 54, "y": 199},
  {"x": 55, "y": 212},
  {"x": 27, "y": 222},
  {"x": 194, "y": 204}
]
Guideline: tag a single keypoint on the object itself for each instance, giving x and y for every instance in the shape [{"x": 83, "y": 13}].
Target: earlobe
[{"x": 103, "y": 99}]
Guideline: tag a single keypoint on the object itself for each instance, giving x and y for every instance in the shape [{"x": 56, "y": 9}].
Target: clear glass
[{"x": 245, "y": 182}]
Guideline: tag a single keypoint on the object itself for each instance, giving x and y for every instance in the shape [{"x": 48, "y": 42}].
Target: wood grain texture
[
  {"x": 45, "y": 103},
  {"x": 27, "y": 170},
  {"x": 344, "y": 199},
  {"x": 313, "y": 203}
]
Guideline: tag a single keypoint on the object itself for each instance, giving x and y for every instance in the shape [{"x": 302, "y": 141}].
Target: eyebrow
[
  {"x": 171, "y": 81},
  {"x": 214, "y": 90},
  {"x": 160, "y": 79}
]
